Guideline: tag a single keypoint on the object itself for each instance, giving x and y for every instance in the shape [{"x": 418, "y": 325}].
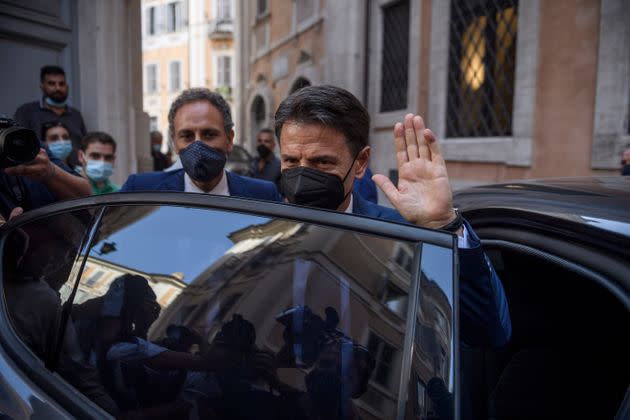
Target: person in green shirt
[{"x": 96, "y": 158}]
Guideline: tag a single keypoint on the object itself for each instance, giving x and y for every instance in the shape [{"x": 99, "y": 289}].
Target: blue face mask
[
  {"x": 52, "y": 102},
  {"x": 98, "y": 170},
  {"x": 61, "y": 148},
  {"x": 202, "y": 162}
]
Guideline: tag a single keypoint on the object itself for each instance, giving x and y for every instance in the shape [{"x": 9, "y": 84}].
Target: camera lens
[{"x": 17, "y": 146}]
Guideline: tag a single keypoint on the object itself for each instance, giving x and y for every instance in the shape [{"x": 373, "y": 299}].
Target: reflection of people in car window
[
  {"x": 340, "y": 375},
  {"x": 143, "y": 377},
  {"x": 31, "y": 290},
  {"x": 245, "y": 373}
]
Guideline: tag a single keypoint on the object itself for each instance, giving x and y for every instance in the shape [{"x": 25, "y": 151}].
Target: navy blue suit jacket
[
  {"x": 239, "y": 186},
  {"x": 484, "y": 314}
]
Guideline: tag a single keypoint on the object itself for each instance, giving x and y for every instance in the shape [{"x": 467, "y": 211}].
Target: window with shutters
[
  {"x": 152, "y": 78},
  {"x": 304, "y": 9},
  {"x": 262, "y": 7},
  {"x": 175, "y": 76},
  {"x": 175, "y": 19},
  {"x": 385, "y": 355},
  {"x": 224, "y": 9},
  {"x": 421, "y": 399},
  {"x": 224, "y": 70},
  {"x": 150, "y": 16}
]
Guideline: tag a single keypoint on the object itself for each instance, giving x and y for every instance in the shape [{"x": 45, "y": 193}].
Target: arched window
[
  {"x": 258, "y": 116},
  {"x": 299, "y": 84}
]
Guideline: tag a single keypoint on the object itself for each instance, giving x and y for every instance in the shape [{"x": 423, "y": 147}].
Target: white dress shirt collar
[
  {"x": 220, "y": 189},
  {"x": 350, "y": 205}
]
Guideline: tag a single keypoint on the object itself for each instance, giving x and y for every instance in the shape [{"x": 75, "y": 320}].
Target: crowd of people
[{"x": 322, "y": 132}]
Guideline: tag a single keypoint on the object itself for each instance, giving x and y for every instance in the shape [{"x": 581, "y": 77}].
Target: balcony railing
[{"x": 221, "y": 28}]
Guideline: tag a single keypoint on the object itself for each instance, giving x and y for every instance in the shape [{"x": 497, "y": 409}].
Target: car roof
[{"x": 599, "y": 202}]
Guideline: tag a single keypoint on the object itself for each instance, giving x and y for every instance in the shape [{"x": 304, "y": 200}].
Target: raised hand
[{"x": 423, "y": 195}]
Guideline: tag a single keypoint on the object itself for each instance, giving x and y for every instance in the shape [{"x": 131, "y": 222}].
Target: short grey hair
[{"x": 195, "y": 95}]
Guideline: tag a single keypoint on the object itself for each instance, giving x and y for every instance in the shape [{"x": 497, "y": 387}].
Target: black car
[
  {"x": 562, "y": 250},
  {"x": 155, "y": 305},
  {"x": 175, "y": 305}
]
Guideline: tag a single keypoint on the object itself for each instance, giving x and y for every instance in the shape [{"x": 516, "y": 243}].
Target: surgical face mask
[
  {"x": 61, "y": 148},
  {"x": 313, "y": 188},
  {"x": 202, "y": 162},
  {"x": 98, "y": 170},
  {"x": 50, "y": 101}
]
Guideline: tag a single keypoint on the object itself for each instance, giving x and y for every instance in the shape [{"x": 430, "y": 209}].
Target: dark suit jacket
[
  {"x": 239, "y": 186},
  {"x": 484, "y": 314},
  {"x": 365, "y": 187}
]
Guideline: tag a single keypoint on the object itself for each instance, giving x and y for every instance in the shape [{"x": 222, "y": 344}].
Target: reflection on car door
[{"x": 181, "y": 309}]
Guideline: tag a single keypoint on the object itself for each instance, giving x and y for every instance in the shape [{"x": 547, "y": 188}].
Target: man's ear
[
  {"x": 363, "y": 159},
  {"x": 81, "y": 157}
]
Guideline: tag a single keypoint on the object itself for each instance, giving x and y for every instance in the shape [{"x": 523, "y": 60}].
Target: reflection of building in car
[
  {"x": 98, "y": 275},
  {"x": 272, "y": 267}
]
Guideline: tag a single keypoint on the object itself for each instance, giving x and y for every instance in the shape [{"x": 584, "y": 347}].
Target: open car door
[{"x": 181, "y": 305}]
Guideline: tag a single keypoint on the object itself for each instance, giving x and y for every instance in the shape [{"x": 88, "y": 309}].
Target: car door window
[
  {"x": 180, "y": 310},
  {"x": 41, "y": 260},
  {"x": 37, "y": 263}
]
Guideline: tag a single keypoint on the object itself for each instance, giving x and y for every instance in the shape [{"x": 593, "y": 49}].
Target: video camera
[{"x": 18, "y": 145}]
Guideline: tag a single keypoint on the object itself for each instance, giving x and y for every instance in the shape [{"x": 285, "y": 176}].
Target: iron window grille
[
  {"x": 395, "y": 58},
  {"x": 482, "y": 58}
]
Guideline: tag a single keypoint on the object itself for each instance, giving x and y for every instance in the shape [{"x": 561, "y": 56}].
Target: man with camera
[{"x": 30, "y": 176}]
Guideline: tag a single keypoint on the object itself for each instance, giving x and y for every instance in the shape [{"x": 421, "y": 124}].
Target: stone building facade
[
  {"x": 543, "y": 85},
  {"x": 99, "y": 45}
]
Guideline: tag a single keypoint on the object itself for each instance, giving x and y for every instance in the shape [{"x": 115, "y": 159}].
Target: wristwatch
[{"x": 455, "y": 224}]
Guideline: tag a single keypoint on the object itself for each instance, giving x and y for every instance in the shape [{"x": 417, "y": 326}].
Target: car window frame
[
  {"x": 79, "y": 405},
  {"x": 572, "y": 247}
]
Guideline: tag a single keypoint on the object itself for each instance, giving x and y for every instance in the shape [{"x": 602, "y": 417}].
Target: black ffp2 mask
[
  {"x": 310, "y": 187},
  {"x": 263, "y": 151}
]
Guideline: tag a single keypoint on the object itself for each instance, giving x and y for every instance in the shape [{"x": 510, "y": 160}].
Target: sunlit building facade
[
  {"x": 513, "y": 89},
  {"x": 99, "y": 274},
  {"x": 185, "y": 43}
]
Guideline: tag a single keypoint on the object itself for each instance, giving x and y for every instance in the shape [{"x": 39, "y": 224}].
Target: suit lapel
[
  {"x": 236, "y": 186},
  {"x": 364, "y": 207},
  {"x": 173, "y": 182}
]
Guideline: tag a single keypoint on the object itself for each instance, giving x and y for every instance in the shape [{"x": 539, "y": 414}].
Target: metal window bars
[{"x": 481, "y": 69}]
